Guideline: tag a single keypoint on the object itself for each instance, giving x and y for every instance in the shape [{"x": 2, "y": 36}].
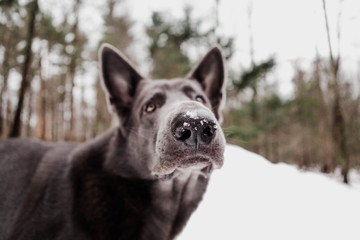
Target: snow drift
[{"x": 251, "y": 198}]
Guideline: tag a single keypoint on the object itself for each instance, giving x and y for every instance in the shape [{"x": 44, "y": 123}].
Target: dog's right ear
[
  {"x": 210, "y": 73},
  {"x": 119, "y": 79}
]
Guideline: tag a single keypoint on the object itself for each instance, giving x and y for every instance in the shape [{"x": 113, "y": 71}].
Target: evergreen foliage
[{"x": 169, "y": 37}]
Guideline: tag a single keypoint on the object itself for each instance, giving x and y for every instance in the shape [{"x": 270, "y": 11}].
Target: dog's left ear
[
  {"x": 120, "y": 80},
  {"x": 210, "y": 73}
]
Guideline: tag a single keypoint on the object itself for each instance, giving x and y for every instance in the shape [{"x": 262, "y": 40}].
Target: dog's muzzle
[{"x": 195, "y": 144}]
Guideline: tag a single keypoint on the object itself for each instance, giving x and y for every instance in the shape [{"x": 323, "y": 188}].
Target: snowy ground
[{"x": 250, "y": 198}]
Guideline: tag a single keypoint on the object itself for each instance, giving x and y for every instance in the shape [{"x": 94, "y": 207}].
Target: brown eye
[
  {"x": 150, "y": 107},
  {"x": 200, "y": 99}
]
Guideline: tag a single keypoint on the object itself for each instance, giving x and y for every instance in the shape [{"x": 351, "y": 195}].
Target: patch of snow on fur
[
  {"x": 251, "y": 198},
  {"x": 192, "y": 114},
  {"x": 186, "y": 124}
]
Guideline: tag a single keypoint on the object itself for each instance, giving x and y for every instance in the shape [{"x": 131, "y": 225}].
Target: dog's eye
[
  {"x": 150, "y": 107},
  {"x": 200, "y": 99}
]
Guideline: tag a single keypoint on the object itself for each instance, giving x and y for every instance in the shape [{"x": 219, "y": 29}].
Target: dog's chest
[
  {"x": 173, "y": 202},
  {"x": 136, "y": 210}
]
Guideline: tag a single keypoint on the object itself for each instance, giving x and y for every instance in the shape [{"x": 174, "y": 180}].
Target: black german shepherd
[{"x": 141, "y": 180}]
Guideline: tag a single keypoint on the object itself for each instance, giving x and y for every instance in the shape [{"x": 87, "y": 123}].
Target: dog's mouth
[{"x": 202, "y": 164}]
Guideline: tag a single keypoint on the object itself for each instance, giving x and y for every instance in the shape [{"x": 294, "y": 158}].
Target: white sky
[{"x": 289, "y": 30}]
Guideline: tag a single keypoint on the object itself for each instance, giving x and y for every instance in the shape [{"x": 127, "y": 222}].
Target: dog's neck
[{"x": 120, "y": 161}]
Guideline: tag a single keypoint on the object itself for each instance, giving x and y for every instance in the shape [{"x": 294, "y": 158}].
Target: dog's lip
[
  {"x": 203, "y": 159},
  {"x": 207, "y": 170},
  {"x": 203, "y": 164},
  {"x": 194, "y": 160}
]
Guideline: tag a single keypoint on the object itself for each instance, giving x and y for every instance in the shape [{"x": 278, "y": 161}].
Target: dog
[{"x": 140, "y": 180}]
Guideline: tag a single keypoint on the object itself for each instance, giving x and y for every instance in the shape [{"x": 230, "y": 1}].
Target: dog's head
[{"x": 169, "y": 125}]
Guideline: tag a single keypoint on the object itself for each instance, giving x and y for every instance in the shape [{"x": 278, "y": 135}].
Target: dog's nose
[{"x": 194, "y": 128}]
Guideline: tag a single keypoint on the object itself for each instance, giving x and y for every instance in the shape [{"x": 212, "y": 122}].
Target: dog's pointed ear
[
  {"x": 120, "y": 79},
  {"x": 210, "y": 73}
]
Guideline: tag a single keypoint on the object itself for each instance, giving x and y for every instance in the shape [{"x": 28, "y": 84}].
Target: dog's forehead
[{"x": 149, "y": 87}]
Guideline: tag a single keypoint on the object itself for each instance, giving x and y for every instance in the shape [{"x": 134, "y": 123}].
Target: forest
[{"x": 50, "y": 87}]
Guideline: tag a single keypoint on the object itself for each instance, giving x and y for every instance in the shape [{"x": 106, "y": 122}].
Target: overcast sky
[{"x": 289, "y": 30}]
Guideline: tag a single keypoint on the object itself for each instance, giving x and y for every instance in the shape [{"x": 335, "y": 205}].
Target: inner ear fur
[{"x": 210, "y": 73}]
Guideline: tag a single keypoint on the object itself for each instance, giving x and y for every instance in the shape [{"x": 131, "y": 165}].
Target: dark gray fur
[{"x": 136, "y": 181}]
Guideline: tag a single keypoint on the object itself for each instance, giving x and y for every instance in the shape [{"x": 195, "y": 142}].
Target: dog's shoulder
[
  {"x": 18, "y": 147},
  {"x": 23, "y": 162},
  {"x": 19, "y": 159},
  {"x": 22, "y": 155}
]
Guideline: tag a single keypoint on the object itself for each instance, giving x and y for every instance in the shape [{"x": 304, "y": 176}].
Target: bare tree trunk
[
  {"x": 1, "y": 116},
  {"x": 340, "y": 138},
  {"x": 72, "y": 71},
  {"x": 1, "y": 112},
  {"x": 254, "y": 113},
  {"x": 255, "y": 117},
  {"x": 327, "y": 163},
  {"x": 251, "y": 36},
  {"x": 41, "y": 117},
  {"x": 338, "y": 124},
  {"x": 83, "y": 117},
  {"x": 41, "y": 107},
  {"x": 61, "y": 127},
  {"x": 4, "y": 101},
  {"x": 29, "y": 113},
  {"x": 25, "y": 82},
  {"x": 4, "y": 71},
  {"x": 3, "y": 91},
  {"x": 253, "y": 107},
  {"x": 54, "y": 117}
]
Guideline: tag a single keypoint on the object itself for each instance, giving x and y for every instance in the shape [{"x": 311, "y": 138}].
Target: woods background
[{"x": 50, "y": 89}]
